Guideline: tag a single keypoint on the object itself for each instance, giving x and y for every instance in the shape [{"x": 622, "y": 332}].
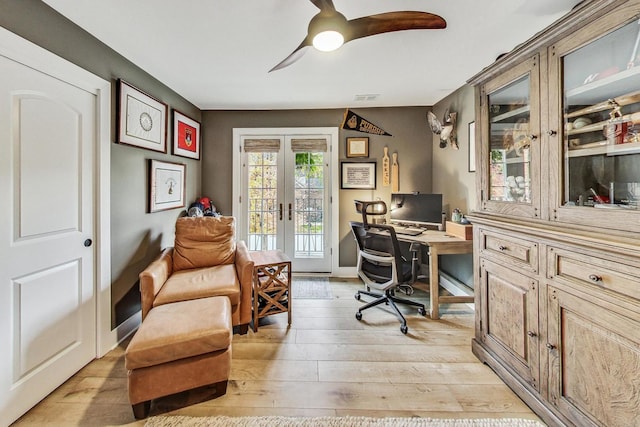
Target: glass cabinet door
[
  {"x": 513, "y": 146},
  {"x": 599, "y": 87}
]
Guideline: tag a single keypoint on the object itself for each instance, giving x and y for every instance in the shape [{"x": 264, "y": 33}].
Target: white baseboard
[{"x": 456, "y": 287}]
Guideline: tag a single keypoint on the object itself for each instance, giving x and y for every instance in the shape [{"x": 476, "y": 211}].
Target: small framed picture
[
  {"x": 358, "y": 175},
  {"x": 166, "y": 185},
  {"x": 142, "y": 119},
  {"x": 358, "y": 147},
  {"x": 186, "y": 136}
]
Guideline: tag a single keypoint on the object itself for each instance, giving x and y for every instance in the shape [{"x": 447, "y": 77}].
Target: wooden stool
[{"x": 178, "y": 347}]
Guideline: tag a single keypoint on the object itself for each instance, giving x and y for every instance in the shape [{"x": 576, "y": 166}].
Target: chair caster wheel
[
  {"x": 359, "y": 316},
  {"x": 404, "y": 329},
  {"x": 357, "y": 296},
  {"x": 422, "y": 311}
]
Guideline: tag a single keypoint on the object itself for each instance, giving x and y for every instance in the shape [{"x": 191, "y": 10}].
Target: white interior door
[
  {"x": 286, "y": 192},
  {"x": 47, "y": 260}
]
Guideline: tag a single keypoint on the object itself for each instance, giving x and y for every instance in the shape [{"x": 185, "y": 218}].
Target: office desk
[{"x": 440, "y": 243}]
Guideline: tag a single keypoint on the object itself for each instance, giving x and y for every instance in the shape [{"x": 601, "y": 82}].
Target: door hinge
[{"x": 239, "y": 199}]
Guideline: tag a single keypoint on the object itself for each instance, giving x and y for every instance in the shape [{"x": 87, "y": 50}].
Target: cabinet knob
[
  {"x": 533, "y": 137},
  {"x": 551, "y": 132},
  {"x": 595, "y": 278},
  {"x": 550, "y": 346},
  {"x": 502, "y": 248},
  {"x": 532, "y": 334}
]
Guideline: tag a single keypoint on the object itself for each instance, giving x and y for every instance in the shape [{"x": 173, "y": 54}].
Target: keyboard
[{"x": 409, "y": 231}]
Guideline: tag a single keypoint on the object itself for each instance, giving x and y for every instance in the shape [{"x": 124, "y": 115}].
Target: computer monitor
[{"x": 416, "y": 209}]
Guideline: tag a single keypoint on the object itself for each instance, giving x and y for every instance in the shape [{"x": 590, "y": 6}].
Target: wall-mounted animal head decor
[{"x": 446, "y": 129}]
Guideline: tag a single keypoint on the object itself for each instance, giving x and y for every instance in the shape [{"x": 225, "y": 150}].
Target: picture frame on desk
[{"x": 358, "y": 175}]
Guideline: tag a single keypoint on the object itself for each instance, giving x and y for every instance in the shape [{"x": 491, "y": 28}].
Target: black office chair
[{"x": 382, "y": 267}]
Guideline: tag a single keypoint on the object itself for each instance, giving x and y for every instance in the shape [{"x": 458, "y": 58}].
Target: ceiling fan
[{"x": 329, "y": 29}]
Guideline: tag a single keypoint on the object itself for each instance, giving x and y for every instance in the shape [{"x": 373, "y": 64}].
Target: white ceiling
[{"x": 217, "y": 53}]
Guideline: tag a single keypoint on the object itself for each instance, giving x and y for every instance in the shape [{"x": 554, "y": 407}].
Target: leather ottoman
[{"x": 179, "y": 346}]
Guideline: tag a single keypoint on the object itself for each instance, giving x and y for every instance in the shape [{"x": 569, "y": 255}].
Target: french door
[{"x": 285, "y": 197}]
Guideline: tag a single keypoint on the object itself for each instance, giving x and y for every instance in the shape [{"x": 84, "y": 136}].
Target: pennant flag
[{"x": 352, "y": 121}]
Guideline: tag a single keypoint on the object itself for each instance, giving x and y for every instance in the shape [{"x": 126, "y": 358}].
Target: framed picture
[
  {"x": 186, "y": 136},
  {"x": 142, "y": 119},
  {"x": 361, "y": 176},
  {"x": 358, "y": 147},
  {"x": 472, "y": 147},
  {"x": 166, "y": 185}
]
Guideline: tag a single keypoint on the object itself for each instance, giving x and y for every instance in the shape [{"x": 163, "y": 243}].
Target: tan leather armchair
[{"x": 205, "y": 261}]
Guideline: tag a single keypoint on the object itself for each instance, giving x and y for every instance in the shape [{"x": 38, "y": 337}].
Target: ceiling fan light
[{"x": 327, "y": 41}]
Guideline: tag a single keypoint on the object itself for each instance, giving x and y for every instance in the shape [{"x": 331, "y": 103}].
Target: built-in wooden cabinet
[{"x": 557, "y": 225}]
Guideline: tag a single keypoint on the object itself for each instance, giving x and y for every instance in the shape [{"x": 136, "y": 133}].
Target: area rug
[
  {"x": 311, "y": 288},
  {"x": 276, "y": 421}
]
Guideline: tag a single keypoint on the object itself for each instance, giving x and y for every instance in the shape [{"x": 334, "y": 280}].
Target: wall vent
[{"x": 366, "y": 97}]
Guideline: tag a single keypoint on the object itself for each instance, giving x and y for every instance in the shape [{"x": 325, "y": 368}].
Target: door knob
[{"x": 88, "y": 243}]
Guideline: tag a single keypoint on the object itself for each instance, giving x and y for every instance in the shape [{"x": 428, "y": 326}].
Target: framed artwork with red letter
[{"x": 186, "y": 136}]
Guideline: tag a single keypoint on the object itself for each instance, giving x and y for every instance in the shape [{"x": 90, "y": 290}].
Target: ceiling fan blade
[
  {"x": 324, "y": 5},
  {"x": 393, "y": 21},
  {"x": 293, "y": 56}
]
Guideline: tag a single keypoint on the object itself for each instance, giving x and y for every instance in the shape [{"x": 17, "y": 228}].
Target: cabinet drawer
[
  {"x": 582, "y": 269},
  {"x": 510, "y": 249}
]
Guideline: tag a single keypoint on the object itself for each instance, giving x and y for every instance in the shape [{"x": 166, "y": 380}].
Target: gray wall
[
  {"x": 411, "y": 139},
  {"x": 136, "y": 236},
  {"x": 451, "y": 175}
]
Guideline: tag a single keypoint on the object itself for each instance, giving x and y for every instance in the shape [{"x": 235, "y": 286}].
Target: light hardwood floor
[{"x": 326, "y": 363}]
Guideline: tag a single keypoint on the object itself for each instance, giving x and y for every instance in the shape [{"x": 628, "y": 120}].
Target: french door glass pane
[
  {"x": 263, "y": 193},
  {"x": 309, "y": 205}
]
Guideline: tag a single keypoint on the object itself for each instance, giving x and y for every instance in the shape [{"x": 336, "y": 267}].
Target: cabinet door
[
  {"x": 509, "y": 304},
  {"x": 510, "y": 111},
  {"x": 595, "y": 156},
  {"x": 594, "y": 359}
]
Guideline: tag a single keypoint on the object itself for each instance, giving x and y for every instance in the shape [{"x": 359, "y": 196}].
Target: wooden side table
[{"x": 271, "y": 285}]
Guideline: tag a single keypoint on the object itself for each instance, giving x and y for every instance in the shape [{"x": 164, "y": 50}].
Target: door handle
[
  {"x": 289, "y": 211},
  {"x": 280, "y": 211}
]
